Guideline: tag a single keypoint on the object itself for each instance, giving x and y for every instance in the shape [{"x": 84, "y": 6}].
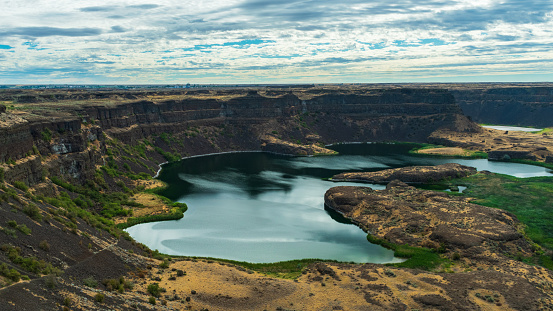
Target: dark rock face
[
  {"x": 2, "y": 108},
  {"x": 506, "y": 155},
  {"x": 411, "y": 174},
  {"x": 373, "y": 116},
  {"x": 526, "y": 106}
]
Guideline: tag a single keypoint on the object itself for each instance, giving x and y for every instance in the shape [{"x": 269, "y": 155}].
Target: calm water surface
[
  {"x": 512, "y": 128},
  {"x": 260, "y": 207}
]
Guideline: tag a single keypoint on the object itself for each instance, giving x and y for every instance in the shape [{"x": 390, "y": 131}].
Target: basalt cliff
[
  {"x": 507, "y": 104},
  {"x": 69, "y": 130}
]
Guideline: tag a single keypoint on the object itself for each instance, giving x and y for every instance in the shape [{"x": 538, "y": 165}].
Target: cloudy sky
[{"x": 275, "y": 41}]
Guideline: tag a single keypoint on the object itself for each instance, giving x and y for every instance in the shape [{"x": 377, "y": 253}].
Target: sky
[{"x": 270, "y": 41}]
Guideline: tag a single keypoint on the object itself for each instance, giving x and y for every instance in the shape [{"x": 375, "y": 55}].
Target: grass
[
  {"x": 547, "y": 130},
  {"x": 177, "y": 212},
  {"x": 530, "y": 162},
  {"x": 283, "y": 269},
  {"x": 417, "y": 257},
  {"x": 530, "y": 199},
  {"x": 468, "y": 154}
]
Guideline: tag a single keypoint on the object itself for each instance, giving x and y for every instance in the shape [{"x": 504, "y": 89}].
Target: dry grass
[{"x": 448, "y": 151}]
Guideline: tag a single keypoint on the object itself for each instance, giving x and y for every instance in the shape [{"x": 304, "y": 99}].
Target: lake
[
  {"x": 261, "y": 207},
  {"x": 512, "y": 128}
]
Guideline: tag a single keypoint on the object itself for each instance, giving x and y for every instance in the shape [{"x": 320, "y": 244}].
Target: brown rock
[{"x": 411, "y": 174}]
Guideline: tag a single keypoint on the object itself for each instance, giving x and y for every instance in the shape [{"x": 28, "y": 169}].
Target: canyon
[{"x": 73, "y": 161}]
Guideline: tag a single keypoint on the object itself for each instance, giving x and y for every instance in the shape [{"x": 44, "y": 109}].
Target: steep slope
[{"x": 524, "y": 105}]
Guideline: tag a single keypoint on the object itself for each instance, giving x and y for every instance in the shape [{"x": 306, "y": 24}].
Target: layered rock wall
[
  {"x": 509, "y": 105},
  {"x": 72, "y": 140}
]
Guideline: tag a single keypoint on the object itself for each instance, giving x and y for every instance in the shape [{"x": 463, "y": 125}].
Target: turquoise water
[{"x": 260, "y": 207}]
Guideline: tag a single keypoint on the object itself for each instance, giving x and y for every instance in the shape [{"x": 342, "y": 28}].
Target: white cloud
[{"x": 274, "y": 41}]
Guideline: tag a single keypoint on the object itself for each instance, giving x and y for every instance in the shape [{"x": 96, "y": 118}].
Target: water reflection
[{"x": 261, "y": 207}]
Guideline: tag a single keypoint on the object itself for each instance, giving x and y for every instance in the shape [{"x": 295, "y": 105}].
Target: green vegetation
[
  {"x": 22, "y": 228},
  {"x": 32, "y": 211},
  {"x": 530, "y": 199},
  {"x": 1, "y": 174},
  {"x": 177, "y": 212},
  {"x": 31, "y": 264},
  {"x": 170, "y": 157},
  {"x": 121, "y": 285},
  {"x": 11, "y": 274},
  {"x": 99, "y": 297},
  {"x": 90, "y": 282},
  {"x": 111, "y": 210},
  {"x": 44, "y": 245},
  {"x": 164, "y": 264},
  {"x": 547, "y": 130},
  {"x": 530, "y": 162},
  {"x": 20, "y": 185},
  {"x": 46, "y": 135},
  {"x": 282, "y": 269},
  {"x": 155, "y": 290},
  {"x": 417, "y": 257}
]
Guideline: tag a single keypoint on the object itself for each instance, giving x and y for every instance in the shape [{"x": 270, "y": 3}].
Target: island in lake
[{"x": 89, "y": 219}]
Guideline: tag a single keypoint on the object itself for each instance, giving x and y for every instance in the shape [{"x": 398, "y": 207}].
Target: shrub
[
  {"x": 456, "y": 256},
  {"x": 115, "y": 209},
  {"x": 1, "y": 174},
  {"x": 44, "y": 245},
  {"x": 10, "y": 232},
  {"x": 50, "y": 281},
  {"x": 99, "y": 297},
  {"x": 118, "y": 284},
  {"x": 13, "y": 275},
  {"x": 155, "y": 290},
  {"x": 33, "y": 211},
  {"x": 20, "y": 185},
  {"x": 24, "y": 229},
  {"x": 46, "y": 135},
  {"x": 67, "y": 301},
  {"x": 90, "y": 282},
  {"x": 164, "y": 264},
  {"x": 152, "y": 300}
]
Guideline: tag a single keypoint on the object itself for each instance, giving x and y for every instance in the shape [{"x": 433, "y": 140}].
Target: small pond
[{"x": 260, "y": 207}]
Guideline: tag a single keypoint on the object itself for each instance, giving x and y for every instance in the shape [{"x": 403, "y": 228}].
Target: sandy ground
[
  {"x": 215, "y": 285},
  {"x": 449, "y": 151}
]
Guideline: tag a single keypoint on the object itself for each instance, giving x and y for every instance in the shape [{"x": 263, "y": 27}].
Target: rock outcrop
[
  {"x": 410, "y": 174},
  {"x": 402, "y": 214},
  {"x": 499, "y": 145}
]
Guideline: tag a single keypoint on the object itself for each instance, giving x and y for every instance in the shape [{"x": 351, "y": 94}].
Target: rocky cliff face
[
  {"x": 377, "y": 115},
  {"x": 70, "y": 138},
  {"x": 508, "y": 105}
]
